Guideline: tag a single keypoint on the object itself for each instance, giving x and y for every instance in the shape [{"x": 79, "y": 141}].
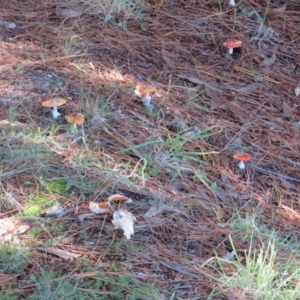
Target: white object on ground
[
  {"x": 124, "y": 220},
  {"x": 241, "y": 165},
  {"x": 56, "y": 210},
  {"x": 232, "y": 2}
]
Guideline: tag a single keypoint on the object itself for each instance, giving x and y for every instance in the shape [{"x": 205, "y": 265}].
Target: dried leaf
[
  {"x": 280, "y": 9},
  {"x": 60, "y": 253},
  {"x": 124, "y": 220},
  {"x": 99, "y": 208},
  {"x": 222, "y": 195},
  {"x": 199, "y": 81},
  {"x": 70, "y": 12},
  {"x": 229, "y": 255},
  {"x": 67, "y": 240},
  {"x": 291, "y": 213},
  {"x": 84, "y": 216},
  {"x": 157, "y": 209},
  {"x": 9, "y": 228},
  {"x": 22, "y": 228},
  {"x": 179, "y": 187},
  {"x": 271, "y": 60}
]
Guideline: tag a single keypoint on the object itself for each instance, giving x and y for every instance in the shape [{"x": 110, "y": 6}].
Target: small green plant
[
  {"x": 171, "y": 154},
  {"x": 263, "y": 271},
  {"x": 12, "y": 114},
  {"x": 34, "y": 232},
  {"x": 197, "y": 99},
  {"x": 129, "y": 8},
  {"x": 11, "y": 259},
  {"x": 48, "y": 287},
  {"x": 70, "y": 45},
  {"x": 98, "y": 109},
  {"x": 7, "y": 293},
  {"x": 260, "y": 275},
  {"x": 57, "y": 186},
  {"x": 53, "y": 285}
]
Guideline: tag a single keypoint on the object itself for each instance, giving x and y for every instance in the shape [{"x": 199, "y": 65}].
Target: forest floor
[{"x": 204, "y": 228}]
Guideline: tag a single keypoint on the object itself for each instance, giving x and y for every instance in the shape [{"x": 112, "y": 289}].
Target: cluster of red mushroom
[{"x": 75, "y": 118}]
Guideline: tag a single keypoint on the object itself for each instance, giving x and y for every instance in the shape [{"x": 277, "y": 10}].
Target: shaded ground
[{"x": 246, "y": 101}]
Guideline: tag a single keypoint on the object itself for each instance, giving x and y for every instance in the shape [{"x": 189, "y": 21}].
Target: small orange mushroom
[
  {"x": 103, "y": 207},
  {"x": 75, "y": 119},
  {"x": 54, "y": 103},
  {"x": 242, "y": 157},
  {"x": 144, "y": 93},
  {"x": 230, "y": 44},
  {"x": 120, "y": 198},
  {"x": 99, "y": 208}
]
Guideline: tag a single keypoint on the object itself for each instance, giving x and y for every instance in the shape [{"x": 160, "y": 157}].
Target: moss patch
[
  {"x": 38, "y": 203},
  {"x": 57, "y": 186}
]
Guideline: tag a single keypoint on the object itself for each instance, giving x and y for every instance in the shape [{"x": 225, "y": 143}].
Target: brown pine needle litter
[{"x": 206, "y": 105}]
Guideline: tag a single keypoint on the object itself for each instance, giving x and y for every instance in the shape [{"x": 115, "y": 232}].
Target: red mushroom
[
  {"x": 230, "y": 44},
  {"x": 242, "y": 157}
]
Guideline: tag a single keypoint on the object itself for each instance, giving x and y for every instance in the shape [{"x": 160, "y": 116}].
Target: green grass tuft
[{"x": 11, "y": 259}]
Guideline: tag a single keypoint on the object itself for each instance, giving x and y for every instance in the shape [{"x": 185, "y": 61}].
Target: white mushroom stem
[
  {"x": 230, "y": 51},
  {"x": 232, "y": 2},
  {"x": 138, "y": 93},
  {"x": 55, "y": 112},
  {"x": 146, "y": 100},
  {"x": 241, "y": 165}
]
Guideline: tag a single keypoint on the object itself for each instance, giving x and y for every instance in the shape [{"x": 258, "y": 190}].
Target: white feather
[{"x": 123, "y": 219}]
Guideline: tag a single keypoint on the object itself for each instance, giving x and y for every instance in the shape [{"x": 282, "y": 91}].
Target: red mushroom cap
[
  {"x": 232, "y": 43},
  {"x": 242, "y": 156}
]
